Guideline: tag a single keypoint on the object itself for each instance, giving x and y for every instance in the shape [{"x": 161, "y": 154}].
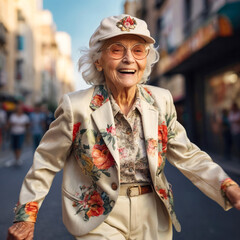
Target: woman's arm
[
  {"x": 197, "y": 165},
  {"x": 49, "y": 158}
]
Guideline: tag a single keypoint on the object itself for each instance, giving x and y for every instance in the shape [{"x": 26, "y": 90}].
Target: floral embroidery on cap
[{"x": 126, "y": 24}]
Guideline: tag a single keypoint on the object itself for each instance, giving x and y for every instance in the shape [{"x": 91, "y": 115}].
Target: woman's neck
[{"x": 124, "y": 97}]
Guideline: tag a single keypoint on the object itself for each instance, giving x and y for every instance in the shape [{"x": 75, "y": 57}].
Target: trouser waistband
[{"x": 132, "y": 190}]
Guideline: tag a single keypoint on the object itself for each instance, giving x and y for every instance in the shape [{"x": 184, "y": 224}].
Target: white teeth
[{"x": 127, "y": 71}]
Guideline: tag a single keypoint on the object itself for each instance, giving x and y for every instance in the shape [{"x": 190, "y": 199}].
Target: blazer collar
[
  {"x": 101, "y": 96},
  {"x": 150, "y": 116}
]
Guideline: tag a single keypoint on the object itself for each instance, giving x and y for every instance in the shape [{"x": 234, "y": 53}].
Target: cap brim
[{"x": 146, "y": 38}]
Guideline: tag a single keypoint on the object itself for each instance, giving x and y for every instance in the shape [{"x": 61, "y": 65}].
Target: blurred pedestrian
[
  {"x": 234, "y": 119},
  {"x": 227, "y": 136},
  {"x": 113, "y": 140},
  {"x": 3, "y": 123},
  {"x": 49, "y": 117},
  {"x": 18, "y": 123},
  {"x": 37, "y": 123}
]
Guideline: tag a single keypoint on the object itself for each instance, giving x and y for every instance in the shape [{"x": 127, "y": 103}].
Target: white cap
[{"x": 120, "y": 25}]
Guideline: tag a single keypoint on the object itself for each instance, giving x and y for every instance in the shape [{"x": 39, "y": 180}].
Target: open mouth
[{"x": 127, "y": 71}]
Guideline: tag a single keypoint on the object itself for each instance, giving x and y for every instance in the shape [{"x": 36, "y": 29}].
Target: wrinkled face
[{"x": 127, "y": 71}]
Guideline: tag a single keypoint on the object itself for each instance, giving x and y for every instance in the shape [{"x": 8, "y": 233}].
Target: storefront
[
  {"x": 176, "y": 84},
  {"x": 209, "y": 62},
  {"x": 222, "y": 90}
]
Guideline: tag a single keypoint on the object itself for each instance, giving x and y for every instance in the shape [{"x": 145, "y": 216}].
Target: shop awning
[
  {"x": 231, "y": 11},
  {"x": 224, "y": 25}
]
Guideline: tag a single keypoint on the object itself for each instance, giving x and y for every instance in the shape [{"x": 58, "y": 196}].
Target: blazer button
[{"x": 114, "y": 186}]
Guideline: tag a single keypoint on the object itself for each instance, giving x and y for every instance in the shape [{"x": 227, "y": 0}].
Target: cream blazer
[{"x": 82, "y": 141}]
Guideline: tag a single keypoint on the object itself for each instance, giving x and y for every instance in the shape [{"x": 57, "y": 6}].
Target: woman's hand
[
  {"x": 233, "y": 194},
  {"x": 21, "y": 231}
]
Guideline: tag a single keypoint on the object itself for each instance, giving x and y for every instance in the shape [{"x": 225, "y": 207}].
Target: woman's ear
[{"x": 98, "y": 66}]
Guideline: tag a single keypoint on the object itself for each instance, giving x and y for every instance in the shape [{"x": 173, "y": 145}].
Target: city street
[
  {"x": 136, "y": 79},
  {"x": 200, "y": 217}
]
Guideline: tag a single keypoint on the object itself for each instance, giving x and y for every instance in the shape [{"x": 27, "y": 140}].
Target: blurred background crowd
[
  {"x": 22, "y": 126},
  {"x": 198, "y": 41}
]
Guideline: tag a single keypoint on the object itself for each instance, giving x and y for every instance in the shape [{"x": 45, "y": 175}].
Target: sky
[{"x": 80, "y": 18}]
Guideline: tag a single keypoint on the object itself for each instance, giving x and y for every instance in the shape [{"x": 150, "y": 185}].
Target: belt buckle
[{"x": 134, "y": 191}]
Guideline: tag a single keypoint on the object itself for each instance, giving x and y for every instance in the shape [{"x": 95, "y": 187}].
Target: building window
[
  {"x": 20, "y": 42},
  {"x": 221, "y": 92},
  {"x": 2, "y": 34},
  {"x": 188, "y": 12},
  {"x": 207, "y": 6},
  {"x": 19, "y": 69},
  {"x": 20, "y": 16},
  {"x": 188, "y": 7},
  {"x": 159, "y": 3},
  {"x": 159, "y": 30}
]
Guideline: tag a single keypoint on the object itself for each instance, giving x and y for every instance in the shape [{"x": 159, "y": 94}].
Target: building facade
[
  {"x": 29, "y": 54},
  {"x": 199, "y": 63},
  {"x": 64, "y": 62}
]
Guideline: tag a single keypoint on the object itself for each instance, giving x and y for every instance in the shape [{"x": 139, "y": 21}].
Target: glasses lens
[
  {"x": 139, "y": 51},
  {"x": 116, "y": 51}
]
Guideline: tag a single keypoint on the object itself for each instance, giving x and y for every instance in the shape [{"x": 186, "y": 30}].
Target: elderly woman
[{"x": 112, "y": 140}]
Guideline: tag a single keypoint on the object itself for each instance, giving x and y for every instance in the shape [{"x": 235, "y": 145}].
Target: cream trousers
[{"x": 142, "y": 217}]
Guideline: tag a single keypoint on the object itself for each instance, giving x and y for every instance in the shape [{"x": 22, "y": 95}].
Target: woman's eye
[
  {"x": 138, "y": 50},
  {"x": 116, "y": 50}
]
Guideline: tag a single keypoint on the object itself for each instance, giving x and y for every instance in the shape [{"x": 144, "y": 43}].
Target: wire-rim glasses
[{"x": 118, "y": 50}]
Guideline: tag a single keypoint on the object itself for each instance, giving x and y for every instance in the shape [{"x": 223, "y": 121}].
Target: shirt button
[{"x": 114, "y": 186}]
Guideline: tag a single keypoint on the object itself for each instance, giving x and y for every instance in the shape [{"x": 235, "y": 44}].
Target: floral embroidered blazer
[{"x": 82, "y": 141}]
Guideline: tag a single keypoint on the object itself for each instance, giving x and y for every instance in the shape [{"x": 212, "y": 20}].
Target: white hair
[{"x": 86, "y": 64}]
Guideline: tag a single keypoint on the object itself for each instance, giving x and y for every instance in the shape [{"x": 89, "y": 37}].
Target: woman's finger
[
  {"x": 30, "y": 236},
  {"x": 21, "y": 231}
]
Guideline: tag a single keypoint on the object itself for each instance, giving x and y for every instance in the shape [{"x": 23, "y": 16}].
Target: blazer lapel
[
  {"x": 104, "y": 120},
  {"x": 150, "y": 129}
]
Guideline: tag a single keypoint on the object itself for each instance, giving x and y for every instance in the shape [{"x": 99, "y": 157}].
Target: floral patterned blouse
[{"x": 131, "y": 144}]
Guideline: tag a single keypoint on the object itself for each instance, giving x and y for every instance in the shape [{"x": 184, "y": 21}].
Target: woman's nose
[{"x": 128, "y": 56}]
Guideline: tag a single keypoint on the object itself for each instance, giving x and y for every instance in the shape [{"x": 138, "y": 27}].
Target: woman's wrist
[{"x": 228, "y": 183}]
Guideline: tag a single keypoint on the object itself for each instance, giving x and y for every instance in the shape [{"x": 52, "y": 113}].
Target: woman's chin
[{"x": 128, "y": 82}]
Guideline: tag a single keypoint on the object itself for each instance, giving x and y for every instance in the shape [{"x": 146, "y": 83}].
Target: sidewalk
[{"x": 7, "y": 154}]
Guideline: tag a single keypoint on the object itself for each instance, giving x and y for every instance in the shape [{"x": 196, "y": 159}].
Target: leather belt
[{"x": 132, "y": 190}]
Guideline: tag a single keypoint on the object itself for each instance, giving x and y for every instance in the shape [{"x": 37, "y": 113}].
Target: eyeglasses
[{"x": 118, "y": 51}]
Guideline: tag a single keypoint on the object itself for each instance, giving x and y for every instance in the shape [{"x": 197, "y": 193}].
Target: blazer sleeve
[
  {"x": 49, "y": 158},
  {"x": 195, "y": 164}
]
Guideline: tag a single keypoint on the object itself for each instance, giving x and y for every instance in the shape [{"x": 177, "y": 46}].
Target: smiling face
[{"x": 125, "y": 72}]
